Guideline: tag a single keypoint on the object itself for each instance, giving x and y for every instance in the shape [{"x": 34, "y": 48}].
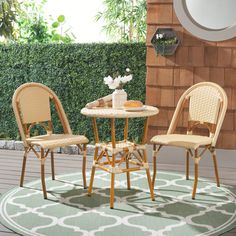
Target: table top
[{"x": 119, "y": 113}]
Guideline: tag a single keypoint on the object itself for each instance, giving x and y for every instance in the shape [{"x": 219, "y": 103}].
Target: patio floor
[{"x": 10, "y": 170}]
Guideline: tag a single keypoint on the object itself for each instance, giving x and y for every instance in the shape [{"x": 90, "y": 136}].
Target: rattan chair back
[
  {"x": 207, "y": 105},
  {"x": 31, "y": 105}
]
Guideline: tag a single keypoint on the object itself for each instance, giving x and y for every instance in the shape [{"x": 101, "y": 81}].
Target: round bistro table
[{"x": 123, "y": 156}]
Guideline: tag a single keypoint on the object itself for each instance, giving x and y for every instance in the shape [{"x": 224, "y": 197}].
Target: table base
[{"x": 124, "y": 158}]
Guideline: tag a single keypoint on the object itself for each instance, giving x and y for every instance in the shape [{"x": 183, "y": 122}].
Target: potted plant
[
  {"x": 119, "y": 96},
  {"x": 165, "y": 41}
]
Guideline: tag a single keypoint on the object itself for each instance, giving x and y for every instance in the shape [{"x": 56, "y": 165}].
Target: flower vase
[{"x": 119, "y": 97}]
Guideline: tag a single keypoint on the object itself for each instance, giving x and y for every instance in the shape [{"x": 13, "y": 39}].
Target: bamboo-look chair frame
[
  {"x": 25, "y": 127},
  {"x": 213, "y": 127}
]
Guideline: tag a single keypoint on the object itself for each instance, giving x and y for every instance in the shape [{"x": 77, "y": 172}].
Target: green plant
[
  {"x": 35, "y": 27},
  {"x": 64, "y": 36},
  {"x": 3, "y": 136},
  {"x": 162, "y": 39},
  {"x": 8, "y": 12},
  {"x": 125, "y": 20},
  {"x": 75, "y": 72},
  {"x": 165, "y": 41}
]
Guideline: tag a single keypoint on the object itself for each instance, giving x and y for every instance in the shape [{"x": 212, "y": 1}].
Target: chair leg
[
  {"x": 148, "y": 175},
  {"x": 216, "y": 169},
  {"x": 43, "y": 174},
  {"x": 90, "y": 189},
  {"x": 43, "y": 179},
  {"x": 84, "y": 165},
  {"x": 52, "y": 165},
  {"x": 93, "y": 171},
  {"x": 155, "y": 153},
  {"x": 23, "y": 168},
  {"x": 196, "y": 163},
  {"x": 187, "y": 165},
  {"x": 127, "y": 173},
  {"x": 150, "y": 184},
  {"x": 112, "y": 190}
]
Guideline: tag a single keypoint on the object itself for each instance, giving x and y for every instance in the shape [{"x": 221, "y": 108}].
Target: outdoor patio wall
[
  {"x": 195, "y": 61},
  {"x": 75, "y": 72}
]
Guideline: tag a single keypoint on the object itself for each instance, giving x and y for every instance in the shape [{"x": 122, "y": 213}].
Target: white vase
[{"x": 119, "y": 97}]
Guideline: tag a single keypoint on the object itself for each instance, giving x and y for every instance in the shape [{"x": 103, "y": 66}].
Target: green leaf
[
  {"x": 61, "y": 18},
  {"x": 55, "y": 24},
  {"x": 56, "y": 37},
  {"x": 125, "y": 20}
]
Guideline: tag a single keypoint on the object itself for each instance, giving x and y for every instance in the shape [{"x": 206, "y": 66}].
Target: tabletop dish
[{"x": 135, "y": 108}]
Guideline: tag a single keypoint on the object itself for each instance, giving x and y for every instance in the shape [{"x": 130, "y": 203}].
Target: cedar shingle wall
[{"x": 195, "y": 61}]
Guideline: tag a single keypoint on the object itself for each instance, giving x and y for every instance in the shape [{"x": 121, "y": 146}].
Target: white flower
[
  {"x": 159, "y": 36},
  {"x": 112, "y": 86},
  {"x": 127, "y": 70},
  {"x": 108, "y": 80},
  {"x": 126, "y": 79},
  {"x": 115, "y": 83},
  {"x": 123, "y": 80},
  {"x": 118, "y": 82},
  {"x": 129, "y": 77}
]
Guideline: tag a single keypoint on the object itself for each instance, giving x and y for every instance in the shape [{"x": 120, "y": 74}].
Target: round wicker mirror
[{"x": 213, "y": 20}]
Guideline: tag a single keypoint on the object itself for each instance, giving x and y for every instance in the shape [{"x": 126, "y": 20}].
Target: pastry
[{"x": 133, "y": 103}]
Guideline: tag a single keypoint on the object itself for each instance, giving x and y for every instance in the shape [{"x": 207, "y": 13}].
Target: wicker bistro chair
[
  {"x": 207, "y": 103},
  {"x": 31, "y": 105}
]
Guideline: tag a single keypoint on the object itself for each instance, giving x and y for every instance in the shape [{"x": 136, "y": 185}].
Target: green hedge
[{"x": 75, "y": 72}]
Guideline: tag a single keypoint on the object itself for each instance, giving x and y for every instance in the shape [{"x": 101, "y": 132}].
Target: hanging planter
[{"x": 165, "y": 41}]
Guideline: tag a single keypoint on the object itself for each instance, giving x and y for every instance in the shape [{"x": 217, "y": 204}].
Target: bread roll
[{"x": 133, "y": 103}]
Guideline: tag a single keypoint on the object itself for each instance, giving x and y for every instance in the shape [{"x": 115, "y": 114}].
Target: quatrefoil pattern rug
[{"x": 69, "y": 211}]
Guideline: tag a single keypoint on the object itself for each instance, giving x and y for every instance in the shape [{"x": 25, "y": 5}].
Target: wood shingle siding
[{"x": 195, "y": 61}]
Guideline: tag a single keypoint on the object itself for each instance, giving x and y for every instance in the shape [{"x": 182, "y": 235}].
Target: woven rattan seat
[
  {"x": 181, "y": 140},
  {"x": 32, "y": 104},
  {"x": 57, "y": 140},
  {"x": 207, "y": 104}
]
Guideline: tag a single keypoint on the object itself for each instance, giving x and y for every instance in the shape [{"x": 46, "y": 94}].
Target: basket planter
[
  {"x": 162, "y": 48},
  {"x": 165, "y": 50}
]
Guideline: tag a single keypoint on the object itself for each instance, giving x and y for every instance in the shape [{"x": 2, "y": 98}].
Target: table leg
[
  {"x": 113, "y": 133},
  {"x": 113, "y": 140},
  {"x": 112, "y": 190},
  {"x": 126, "y": 128},
  {"x": 95, "y": 129},
  {"x": 144, "y": 140},
  {"x": 127, "y": 173}
]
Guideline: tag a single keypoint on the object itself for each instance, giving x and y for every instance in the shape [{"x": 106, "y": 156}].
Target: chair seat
[
  {"x": 57, "y": 140},
  {"x": 182, "y": 140}
]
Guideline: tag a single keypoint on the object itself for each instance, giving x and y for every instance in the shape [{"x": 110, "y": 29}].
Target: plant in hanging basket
[{"x": 165, "y": 41}]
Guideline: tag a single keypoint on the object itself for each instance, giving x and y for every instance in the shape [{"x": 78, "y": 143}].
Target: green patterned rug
[{"x": 69, "y": 211}]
